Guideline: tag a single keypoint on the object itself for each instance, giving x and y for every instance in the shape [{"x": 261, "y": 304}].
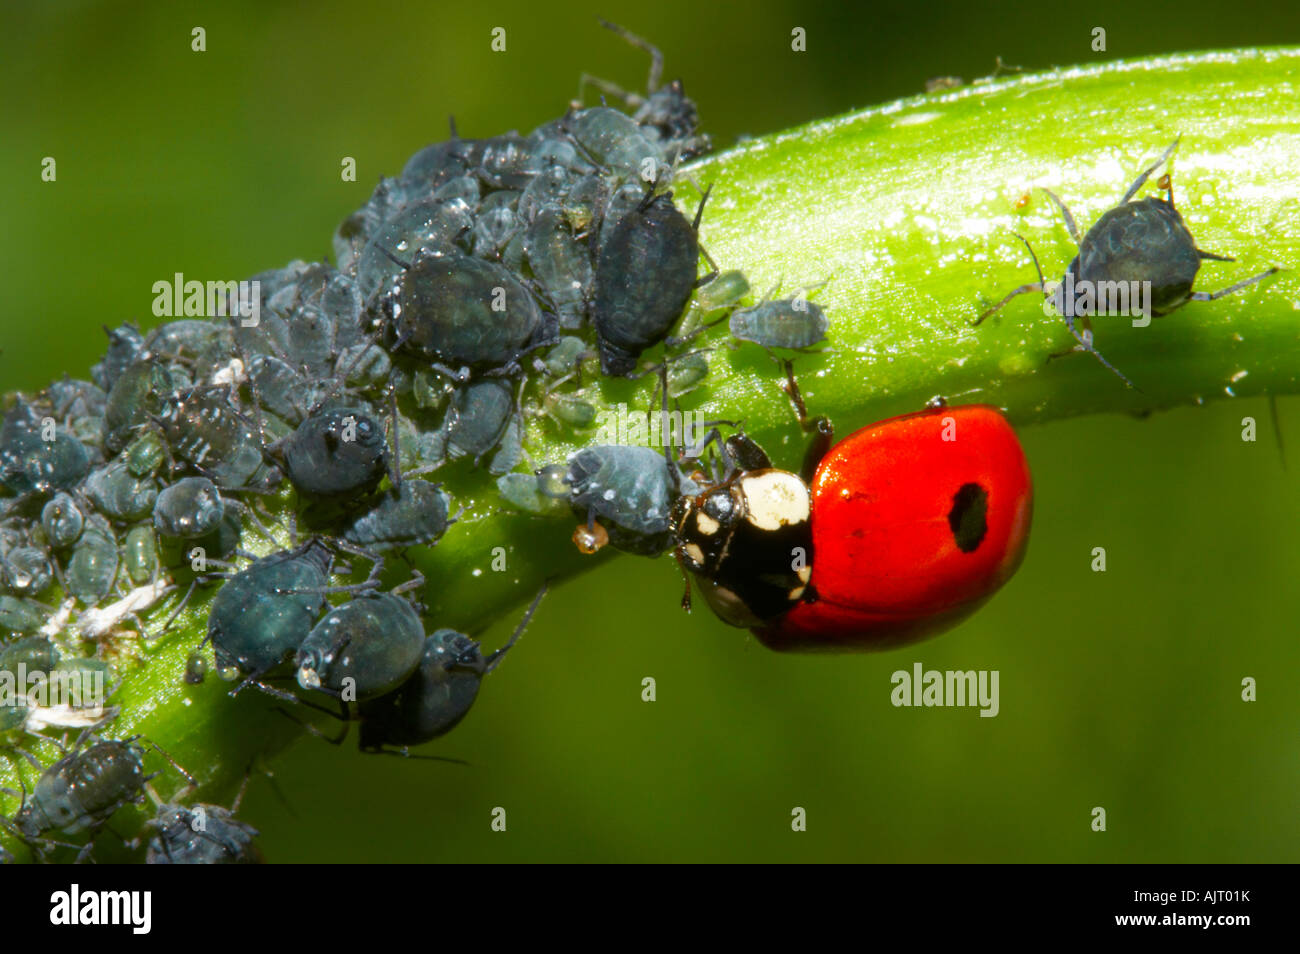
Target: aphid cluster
[{"x": 487, "y": 267}]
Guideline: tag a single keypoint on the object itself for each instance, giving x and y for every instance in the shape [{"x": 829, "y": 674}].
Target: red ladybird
[{"x": 902, "y": 529}]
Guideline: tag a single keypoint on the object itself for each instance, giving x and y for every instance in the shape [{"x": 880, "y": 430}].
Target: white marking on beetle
[
  {"x": 695, "y": 553},
  {"x": 706, "y": 524},
  {"x": 775, "y": 499}
]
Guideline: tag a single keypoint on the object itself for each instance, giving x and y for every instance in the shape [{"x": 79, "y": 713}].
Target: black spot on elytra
[{"x": 967, "y": 518}]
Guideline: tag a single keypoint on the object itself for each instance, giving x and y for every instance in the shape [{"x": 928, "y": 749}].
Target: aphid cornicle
[{"x": 1136, "y": 242}]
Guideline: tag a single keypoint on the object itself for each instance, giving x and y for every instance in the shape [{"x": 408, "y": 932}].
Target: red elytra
[{"x": 900, "y": 547}]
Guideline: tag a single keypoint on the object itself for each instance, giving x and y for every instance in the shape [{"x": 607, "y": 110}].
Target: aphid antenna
[
  {"x": 1070, "y": 225},
  {"x": 494, "y": 660},
  {"x": 656, "y": 55},
  {"x": 406, "y": 753},
  {"x": 316, "y": 730},
  {"x": 1146, "y": 174}
]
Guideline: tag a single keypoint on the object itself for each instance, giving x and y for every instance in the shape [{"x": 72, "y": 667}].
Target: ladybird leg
[
  {"x": 791, "y": 388},
  {"x": 1211, "y": 296},
  {"x": 1065, "y": 211},
  {"x": 1141, "y": 180}
]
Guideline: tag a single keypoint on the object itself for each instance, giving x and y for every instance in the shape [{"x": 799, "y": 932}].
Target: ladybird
[{"x": 899, "y": 531}]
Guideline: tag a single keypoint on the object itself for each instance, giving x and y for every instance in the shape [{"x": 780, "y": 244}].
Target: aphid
[
  {"x": 629, "y": 491},
  {"x": 92, "y": 567},
  {"x": 62, "y": 520},
  {"x": 37, "y": 456},
  {"x": 36, "y": 653},
  {"x": 363, "y": 649},
  {"x": 192, "y": 341},
  {"x": 665, "y": 115},
  {"x": 125, "y": 347},
  {"x": 140, "y": 554},
  {"x": 614, "y": 142},
  {"x": 415, "y": 514},
  {"x": 438, "y": 695},
  {"x": 523, "y": 492},
  {"x": 900, "y": 530},
  {"x": 336, "y": 452},
  {"x": 793, "y": 323},
  {"x": 459, "y": 311},
  {"x": 145, "y": 455},
  {"x": 570, "y": 410},
  {"x": 191, "y": 507},
  {"x": 202, "y": 427},
  {"x": 137, "y": 395},
  {"x": 202, "y": 835},
  {"x": 81, "y": 791},
  {"x": 645, "y": 273},
  {"x": 1145, "y": 241},
  {"x": 427, "y": 226},
  {"x": 561, "y": 263},
  {"x": 119, "y": 495},
  {"x": 21, "y": 615},
  {"x": 26, "y": 570},
  {"x": 264, "y": 612},
  {"x": 482, "y": 415},
  {"x": 496, "y": 223},
  {"x": 279, "y": 388}
]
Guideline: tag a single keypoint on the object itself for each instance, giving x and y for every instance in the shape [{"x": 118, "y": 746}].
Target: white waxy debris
[{"x": 98, "y": 620}]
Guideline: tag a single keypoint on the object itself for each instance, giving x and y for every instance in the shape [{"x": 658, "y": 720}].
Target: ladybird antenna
[
  {"x": 495, "y": 659},
  {"x": 1146, "y": 174}
]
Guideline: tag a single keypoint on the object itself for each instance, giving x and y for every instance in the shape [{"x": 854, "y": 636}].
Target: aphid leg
[
  {"x": 1211, "y": 296},
  {"x": 1146, "y": 174},
  {"x": 1277, "y": 428},
  {"x": 494, "y": 660},
  {"x": 1085, "y": 344},
  {"x": 395, "y": 464},
  {"x": 824, "y": 431},
  {"x": 656, "y": 57},
  {"x": 1037, "y": 286},
  {"x": 713, "y": 267},
  {"x": 307, "y": 726},
  {"x": 416, "y": 582}
]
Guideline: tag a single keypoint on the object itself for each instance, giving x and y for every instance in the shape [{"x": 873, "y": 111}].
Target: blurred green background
[{"x": 1119, "y": 690}]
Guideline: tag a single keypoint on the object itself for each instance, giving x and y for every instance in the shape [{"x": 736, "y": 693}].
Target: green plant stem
[{"x": 907, "y": 212}]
